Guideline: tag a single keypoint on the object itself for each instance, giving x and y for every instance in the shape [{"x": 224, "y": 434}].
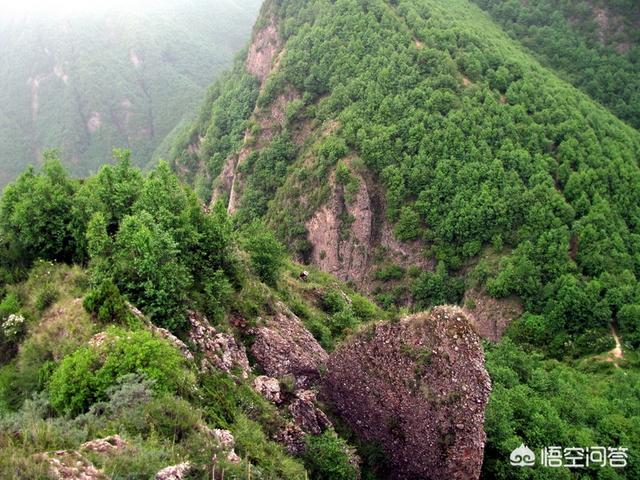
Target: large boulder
[
  {"x": 419, "y": 389},
  {"x": 284, "y": 347}
]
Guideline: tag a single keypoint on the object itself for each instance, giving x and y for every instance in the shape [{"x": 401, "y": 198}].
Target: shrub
[
  {"x": 408, "y": 227},
  {"x": 268, "y": 456},
  {"x": 85, "y": 376},
  {"x": 171, "y": 417},
  {"x": 333, "y": 301},
  {"x": 106, "y": 303},
  {"x": 327, "y": 456},
  {"x": 12, "y": 328},
  {"x": 46, "y": 296},
  {"x": 217, "y": 295},
  {"x": 9, "y": 305},
  {"x": 266, "y": 252},
  {"x": 362, "y": 307},
  {"x": 74, "y": 385},
  {"x": 390, "y": 272},
  {"x": 437, "y": 288}
]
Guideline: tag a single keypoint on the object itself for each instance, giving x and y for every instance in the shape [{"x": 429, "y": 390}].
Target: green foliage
[
  {"x": 363, "y": 308},
  {"x": 542, "y": 402},
  {"x": 147, "y": 267},
  {"x": 47, "y": 296},
  {"x": 474, "y": 143},
  {"x": 220, "y": 124},
  {"x": 327, "y": 456},
  {"x": 270, "y": 458},
  {"x": 437, "y": 288},
  {"x": 333, "y": 301},
  {"x": 10, "y": 304},
  {"x": 408, "y": 226},
  {"x": 74, "y": 386},
  {"x": 568, "y": 37},
  {"x": 106, "y": 303},
  {"x": 85, "y": 376},
  {"x": 170, "y": 417},
  {"x": 266, "y": 252},
  {"x": 390, "y": 272},
  {"x": 265, "y": 172},
  {"x": 35, "y": 214}
]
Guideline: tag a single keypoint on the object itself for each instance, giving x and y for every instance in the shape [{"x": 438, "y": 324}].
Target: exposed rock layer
[
  {"x": 419, "y": 389},
  {"x": 283, "y": 347}
]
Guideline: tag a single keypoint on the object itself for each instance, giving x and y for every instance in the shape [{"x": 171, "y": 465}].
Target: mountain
[
  {"x": 397, "y": 242},
  {"x": 87, "y": 83},
  {"x": 421, "y": 153},
  {"x": 593, "y": 45},
  {"x": 456, "y": 164}
]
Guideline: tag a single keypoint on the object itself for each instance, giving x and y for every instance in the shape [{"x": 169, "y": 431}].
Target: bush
[
  {"x": 85, "y": 376},
  {"x": 171, "y": 417},
  {"x": 362, "y": 307},
  {"x": 106, "y": 303},
  {"x": 333, "y": 301},
  {"x": 74, "y": 385},
  {"x": 390, "y": 272},
  {"x": 437, "y": 288},
  {"x": 343, "y": 320},
  {"x": 327, "y": 456},
  {"x": 408, "y": 227},
  {"x": 266, "y": 252},
  {"x": 268, "y": 456},
  {"x": 47, "y": 296},
  {"x": 9, "y": 305}
]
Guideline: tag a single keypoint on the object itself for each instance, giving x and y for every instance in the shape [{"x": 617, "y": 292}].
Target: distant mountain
[{"x": 85, "y": 84}]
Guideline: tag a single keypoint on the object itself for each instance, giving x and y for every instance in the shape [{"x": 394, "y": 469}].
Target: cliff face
[{"x": 418, "y": 388}]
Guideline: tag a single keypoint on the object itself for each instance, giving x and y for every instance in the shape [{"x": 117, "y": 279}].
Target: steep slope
[
  {"x": 416, "y": 150},
  {"x": 593, "y": 44},
  {"x": 86, "y": 83}
]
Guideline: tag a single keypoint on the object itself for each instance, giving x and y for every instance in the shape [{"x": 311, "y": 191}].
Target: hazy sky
[{"x": 75, "y": 7}]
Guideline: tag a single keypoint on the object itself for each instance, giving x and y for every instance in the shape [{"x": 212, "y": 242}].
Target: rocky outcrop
[
  {"x": 111, "y": 444},
  {"x": 346, "y": 232},
  {"x": 419, "y": 389},
  {"x": 491, "y": 316},
  {"x": 174, "y": 472},
  {"x": 344, "y": 255},
  {"x": 70, "y": 465},
  {"x": 264, "y": 47},
  {"x": 220, "y": 350},
  {"x": 306, "y": 415},
  {"x": 268, "y": 387},
  {"x": 292, "y": 437},
  {"x": 162, "y": 333},
  {"x": 284, "y": 347}
]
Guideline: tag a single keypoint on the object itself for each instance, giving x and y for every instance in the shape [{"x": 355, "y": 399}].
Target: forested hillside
[
  {"x": 594, "y": 45},
  {"x": 86, "y": 84},
  {"x": 416, "y": 149}
]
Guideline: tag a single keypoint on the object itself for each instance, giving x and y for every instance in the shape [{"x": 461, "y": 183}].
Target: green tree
[
  {"x": 35, "y": 214},
  {"x": 146, "y": 267},
  {"x": 266, "y": 252}
]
